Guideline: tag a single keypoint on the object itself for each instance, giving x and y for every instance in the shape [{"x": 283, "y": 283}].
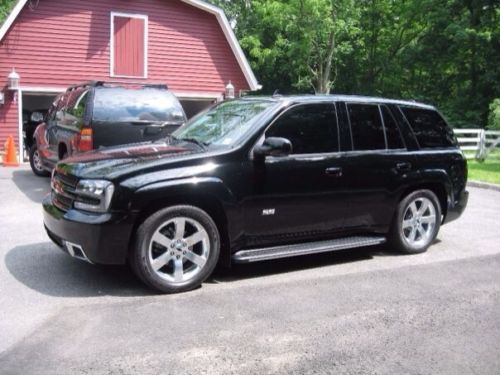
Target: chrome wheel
[
  {"x": 179, "y": 249},
  {"x": 419, "y": 221},
  {"x": 37, "y": 161}
]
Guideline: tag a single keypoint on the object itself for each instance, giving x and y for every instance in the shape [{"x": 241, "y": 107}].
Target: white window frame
[{"x": 112, "y": 43}]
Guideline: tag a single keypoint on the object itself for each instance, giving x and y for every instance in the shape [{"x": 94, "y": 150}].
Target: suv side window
[
  {"x": 392, "y": 133},
  {"x": 312, "y": 128},
  {"x": 56, "y": 110},
  {"x": 429, "y": 127},
  {"x": 366, "y": 127},
  {"x": 75, "y": 110}
]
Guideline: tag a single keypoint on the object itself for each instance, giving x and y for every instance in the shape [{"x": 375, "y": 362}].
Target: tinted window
[
  {"x": 311, "y": 128},
  {"x": 127, "y": 105},
  {"x": 56, "y": 110},
  {"x": 392, "y": 133},
  {"x": 75, "y": 108},
  {"x": 429, "y": 128},
  {"x": 366, "y": 127}
]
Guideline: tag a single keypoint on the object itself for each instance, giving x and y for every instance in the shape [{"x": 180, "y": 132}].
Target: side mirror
[
  {"x": 36, "y": 117},
  {"x": 273, "y": 146}
]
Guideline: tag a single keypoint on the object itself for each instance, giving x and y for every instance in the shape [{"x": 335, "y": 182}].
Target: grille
[{"x": 63, "y": 191}]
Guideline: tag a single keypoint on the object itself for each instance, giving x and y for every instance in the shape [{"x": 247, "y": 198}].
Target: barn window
[{"x": 129, "y": 45}]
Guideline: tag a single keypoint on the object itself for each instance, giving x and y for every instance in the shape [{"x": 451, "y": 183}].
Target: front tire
[
  {"x": 36, "y": 162},
  {"x": 416, "y": 222},
  {"x": 175, "y": 249}
]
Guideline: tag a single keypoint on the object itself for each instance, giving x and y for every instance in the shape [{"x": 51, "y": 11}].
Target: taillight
[{"x": 86, "y": 140}]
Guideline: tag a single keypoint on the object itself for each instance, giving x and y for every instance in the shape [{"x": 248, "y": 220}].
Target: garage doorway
[
  {"x": 34, "y": 108},
  {"x": 194, "y": 106}
]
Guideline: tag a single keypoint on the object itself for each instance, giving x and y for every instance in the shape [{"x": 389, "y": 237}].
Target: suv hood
[{"x": 112, "y": 162}]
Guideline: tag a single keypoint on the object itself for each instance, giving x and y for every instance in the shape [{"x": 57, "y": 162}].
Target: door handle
[
  {"x": 334, "y": 172},
  {"x": 403, "y": 167}
]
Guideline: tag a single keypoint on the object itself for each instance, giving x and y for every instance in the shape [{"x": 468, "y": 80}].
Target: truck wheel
[
  {"x": 416, "y": 223},
  {"x": 36, "y": 162},
  {"x": 175, "y": 249}
]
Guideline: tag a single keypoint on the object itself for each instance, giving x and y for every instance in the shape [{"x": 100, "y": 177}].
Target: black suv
[
  {"x": 261, "y": 178},
  {"x": 93, "y": 115}
]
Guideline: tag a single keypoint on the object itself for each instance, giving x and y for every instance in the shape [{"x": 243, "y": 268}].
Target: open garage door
[
  {"x": 194, "y": 106},
  {"x": 35, "y": 106}
]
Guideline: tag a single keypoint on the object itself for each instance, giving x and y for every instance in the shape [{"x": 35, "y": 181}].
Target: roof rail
[
  {"x": 161, "y": 86},
  {"x": 86, "y": 84}
]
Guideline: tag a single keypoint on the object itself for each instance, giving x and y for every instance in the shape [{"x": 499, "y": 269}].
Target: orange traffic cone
[{"x": 10, "y": 159}]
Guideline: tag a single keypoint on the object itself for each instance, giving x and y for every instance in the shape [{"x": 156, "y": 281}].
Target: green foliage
[
  {"x": 487, "y": 171},
  {"x": 5, "y": 7},
  {"x": 494, "y": 118},
  {"x": 444, "y": 52}
]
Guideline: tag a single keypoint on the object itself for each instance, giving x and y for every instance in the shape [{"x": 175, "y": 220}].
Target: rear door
[
  {"x": 375, "y": 168},
  {"x": 121, "y": 116}
]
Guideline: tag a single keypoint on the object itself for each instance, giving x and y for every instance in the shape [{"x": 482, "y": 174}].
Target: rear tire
[
  {"x": 175, "y": 249},
  {"x": 36, "y": 162},
  {"x": 416, "y": 222}
]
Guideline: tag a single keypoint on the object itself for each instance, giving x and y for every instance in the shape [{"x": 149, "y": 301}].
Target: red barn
[{"x": 52, "y": 44}]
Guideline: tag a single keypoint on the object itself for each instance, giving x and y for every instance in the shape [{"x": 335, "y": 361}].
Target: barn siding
[{"x": 63, "y": 42}]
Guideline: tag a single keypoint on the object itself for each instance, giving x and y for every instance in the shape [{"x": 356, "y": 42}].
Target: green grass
[{"x": 487, "y": 171}]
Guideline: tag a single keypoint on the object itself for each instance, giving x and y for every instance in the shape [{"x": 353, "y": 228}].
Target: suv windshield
[
  {"x": 224, "y": 124},
  {"x": 129, "y": 105}
]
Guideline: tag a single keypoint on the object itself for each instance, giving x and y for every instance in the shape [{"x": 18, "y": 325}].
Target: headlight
[{"x": 94, "y": 195}]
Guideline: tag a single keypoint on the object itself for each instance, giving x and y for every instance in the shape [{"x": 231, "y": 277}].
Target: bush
[{"x": 494, "y": 118}]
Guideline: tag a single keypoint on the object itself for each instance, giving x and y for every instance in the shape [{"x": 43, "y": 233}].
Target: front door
[{"x": 299, "y": 196}]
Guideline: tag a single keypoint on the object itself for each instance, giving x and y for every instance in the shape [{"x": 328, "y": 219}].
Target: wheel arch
[
  {"x": 213, "y": 199},
  {"x": 438, "y": 188}
]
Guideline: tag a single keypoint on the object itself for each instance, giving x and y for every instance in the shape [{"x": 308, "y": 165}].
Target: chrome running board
[{"x": 286, "y": 251}]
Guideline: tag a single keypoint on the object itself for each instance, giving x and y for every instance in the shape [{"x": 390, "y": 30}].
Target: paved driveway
[{"x": 357, "y": 311}]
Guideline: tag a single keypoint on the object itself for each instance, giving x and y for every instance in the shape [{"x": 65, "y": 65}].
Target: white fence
[{"x": 478, "y": 143}]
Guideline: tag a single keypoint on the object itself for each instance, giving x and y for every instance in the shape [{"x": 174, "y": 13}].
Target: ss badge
[{"x": 268, "y": 212}]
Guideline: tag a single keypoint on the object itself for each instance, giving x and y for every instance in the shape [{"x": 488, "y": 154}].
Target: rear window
[
  {"x": 429, "y": 127},
  {"x": 128, "y": 105}
]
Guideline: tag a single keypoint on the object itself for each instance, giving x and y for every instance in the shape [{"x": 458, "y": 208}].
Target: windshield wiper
[{"x": 202, "y": 145}]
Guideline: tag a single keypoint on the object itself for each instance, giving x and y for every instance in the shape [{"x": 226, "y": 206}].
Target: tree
[
  {"x": 444, "y": 52},
  {"x": 293, "y": 45},
  {"x": 5, "y": 8}
]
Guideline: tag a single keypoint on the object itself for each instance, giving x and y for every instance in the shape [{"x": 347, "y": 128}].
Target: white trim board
[
  {"x": 218, "y": 12},
  {"x": 19, "y": 94},
  {"x": 112, "y": 43},
  {"x": 182, "y": 95},
  {"x": 42, "y": 89}
]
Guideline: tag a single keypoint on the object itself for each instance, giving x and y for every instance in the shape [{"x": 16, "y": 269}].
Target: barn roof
[{"x": 218, "y": 12}]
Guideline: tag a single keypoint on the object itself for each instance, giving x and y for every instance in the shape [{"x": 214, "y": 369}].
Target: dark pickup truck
[
  {"x": 94, "y": 115},
  {"x": 261, "y": 178}
]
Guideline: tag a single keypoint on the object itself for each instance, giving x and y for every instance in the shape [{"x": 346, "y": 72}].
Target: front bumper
[
  {"x": 97, "y": 238},
  {"x": 456, "y": 208}
]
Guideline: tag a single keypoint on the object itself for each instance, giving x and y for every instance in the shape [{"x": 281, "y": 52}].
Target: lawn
[{"x": 488, "y": 171}]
